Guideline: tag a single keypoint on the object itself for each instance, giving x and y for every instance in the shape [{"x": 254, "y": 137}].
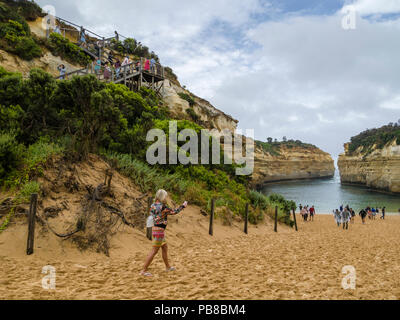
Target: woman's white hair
[{"x": 161, "y": 195}]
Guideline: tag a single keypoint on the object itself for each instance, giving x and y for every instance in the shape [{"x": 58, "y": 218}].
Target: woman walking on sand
[
  {"x": 337, "y": 217},
  {"x": 160, "y": 213}
]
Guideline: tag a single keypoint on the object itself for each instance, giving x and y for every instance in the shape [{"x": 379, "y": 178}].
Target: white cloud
[
  {"x": 366, "y": 7},
  {"x": 392, "y": 104}
]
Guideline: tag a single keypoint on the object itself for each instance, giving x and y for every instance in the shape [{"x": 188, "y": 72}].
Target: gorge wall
[
  {"x": 379, "y": 170},
  {"x": 292, "y": 164}
]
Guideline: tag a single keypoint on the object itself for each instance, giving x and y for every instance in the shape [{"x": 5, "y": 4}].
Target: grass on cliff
[
  {"x": 375, "y": 138},
  {"x": 274, "y": 147}
]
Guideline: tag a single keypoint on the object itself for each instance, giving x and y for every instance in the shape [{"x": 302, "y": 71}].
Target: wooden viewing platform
[{"x": 132, "y": 75}]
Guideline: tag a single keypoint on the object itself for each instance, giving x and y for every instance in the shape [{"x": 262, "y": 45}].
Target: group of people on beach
[
  {"x": 346, "y": 215},
  {"x": 307, "y": 213}
]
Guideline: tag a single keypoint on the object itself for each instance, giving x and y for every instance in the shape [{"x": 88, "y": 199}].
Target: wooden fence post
[
  {"x": 212, "y": 217},
  {"x": 31, "y": 224},
  {"x": 246, "y": 222},
  {"x": 295, "y": 221},
  {"x": 276, "y": 219}
]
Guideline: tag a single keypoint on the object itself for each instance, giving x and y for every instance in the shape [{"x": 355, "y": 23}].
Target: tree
[
  {"x": 89, "y": 111},
  {"x": 269, "y": 139}
]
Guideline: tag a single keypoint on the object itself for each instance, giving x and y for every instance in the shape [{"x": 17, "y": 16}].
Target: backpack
[{"x": 150, "y": 221}]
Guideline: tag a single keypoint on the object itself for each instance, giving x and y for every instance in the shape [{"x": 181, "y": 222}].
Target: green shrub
[
  {"x": 60, "y": 46},
  {"x": 146, "y": 177},
  {"x": 188, "y": 98},
  {"x": 15, "y": 38},
  {"x": 25, "y": 8},
  {"x": 27, "y": 190},
  {"x": 192, "y": 115},
  {"x": 11, "y": 154},
  {"x": 375, "y": 137}
]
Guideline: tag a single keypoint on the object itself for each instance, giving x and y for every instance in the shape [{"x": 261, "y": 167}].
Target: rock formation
[{"x": 378, "y": 170}]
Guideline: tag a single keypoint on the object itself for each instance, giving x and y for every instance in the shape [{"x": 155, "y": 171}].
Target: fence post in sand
[
  {"x": 212, "y": 217},
  {"x": 31, "y": 224},
  {"x": 276, "y": 219},
  {"x": 295, "y": 221},
  {"x": 246, "y": 222},
  {"x": 149, "y": 231}
]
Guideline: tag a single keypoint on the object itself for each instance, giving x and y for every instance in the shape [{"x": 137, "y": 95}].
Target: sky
[{"x": 285, "y": 68}]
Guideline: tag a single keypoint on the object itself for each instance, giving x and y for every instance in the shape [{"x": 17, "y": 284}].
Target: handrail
[
  {"x": 84, "y": 71},
  {"x": 86, "y": 30}
]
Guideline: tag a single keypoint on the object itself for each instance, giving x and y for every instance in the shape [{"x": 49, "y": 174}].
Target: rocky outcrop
[
  {"x": 47, "y": 62},
  {"x": 379, "y": 170},
  {"x": 209, "y": 116},
  {"x": 292, "y": 164}
]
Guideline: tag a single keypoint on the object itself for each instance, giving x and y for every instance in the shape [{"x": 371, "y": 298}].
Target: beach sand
[{"x": 263, "y": 265}]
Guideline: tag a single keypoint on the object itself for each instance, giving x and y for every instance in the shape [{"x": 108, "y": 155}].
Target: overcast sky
[{"x": 281, "y": 67}]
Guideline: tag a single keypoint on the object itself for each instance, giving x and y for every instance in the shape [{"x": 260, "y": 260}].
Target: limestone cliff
[
  {"x": 379, "y": 169},
  {"x": 209, "y": 116},
  {"x": 291, "y": 164}
]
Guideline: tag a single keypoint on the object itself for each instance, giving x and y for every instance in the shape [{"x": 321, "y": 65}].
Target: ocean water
[{"x": 328, "y": 194}]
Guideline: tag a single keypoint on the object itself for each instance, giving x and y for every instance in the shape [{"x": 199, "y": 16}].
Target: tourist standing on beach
[
  {"x": 337, "y": 216},
  {"x": 312, "y": 213},
  {"x": 363, "y": 215},
  {"x": 345, "y": 218},
  {"x": 160, "y": 213},
  {"x": 304, "y": 213},
  {"x": 353, "y": 215},
  {"x": 383, "y": 213}
]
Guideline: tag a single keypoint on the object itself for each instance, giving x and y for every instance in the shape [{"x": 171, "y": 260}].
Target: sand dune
[{"x": 263, "y": 265}]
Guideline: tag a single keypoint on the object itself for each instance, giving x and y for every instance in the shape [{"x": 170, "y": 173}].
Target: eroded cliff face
[
  {"x": 209, "y": 116},
  {"x": 379, "y": 170},
  {"x": 47, "y": 62},
  {"x": 292, "y": 164}
]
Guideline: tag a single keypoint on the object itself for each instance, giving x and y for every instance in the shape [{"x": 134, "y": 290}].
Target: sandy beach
[{"x": 263, "y": 265}]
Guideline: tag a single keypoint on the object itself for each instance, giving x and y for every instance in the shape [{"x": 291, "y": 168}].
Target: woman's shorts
[{"x": 159, "y": 237}]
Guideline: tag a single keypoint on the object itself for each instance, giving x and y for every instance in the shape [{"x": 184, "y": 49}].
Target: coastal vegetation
[
  {"x": 273, "y": 146},
  {"x": 41, "y": 118},
  {"x": 376, "y": 138}
]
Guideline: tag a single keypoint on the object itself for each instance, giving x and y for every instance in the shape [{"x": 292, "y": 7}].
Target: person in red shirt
[{"x": 312, "y": 213}]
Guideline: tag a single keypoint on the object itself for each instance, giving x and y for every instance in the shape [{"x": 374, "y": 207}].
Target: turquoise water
[{"x": 329, "y": 194}]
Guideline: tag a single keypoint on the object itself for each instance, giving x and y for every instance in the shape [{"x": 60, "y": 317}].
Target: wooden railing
[{"x": 68, "y": 75}]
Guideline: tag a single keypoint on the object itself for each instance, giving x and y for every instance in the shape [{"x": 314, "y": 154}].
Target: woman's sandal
[
  {"x": 146, "y": 274},
  {"x": 172, "y": 269}
]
